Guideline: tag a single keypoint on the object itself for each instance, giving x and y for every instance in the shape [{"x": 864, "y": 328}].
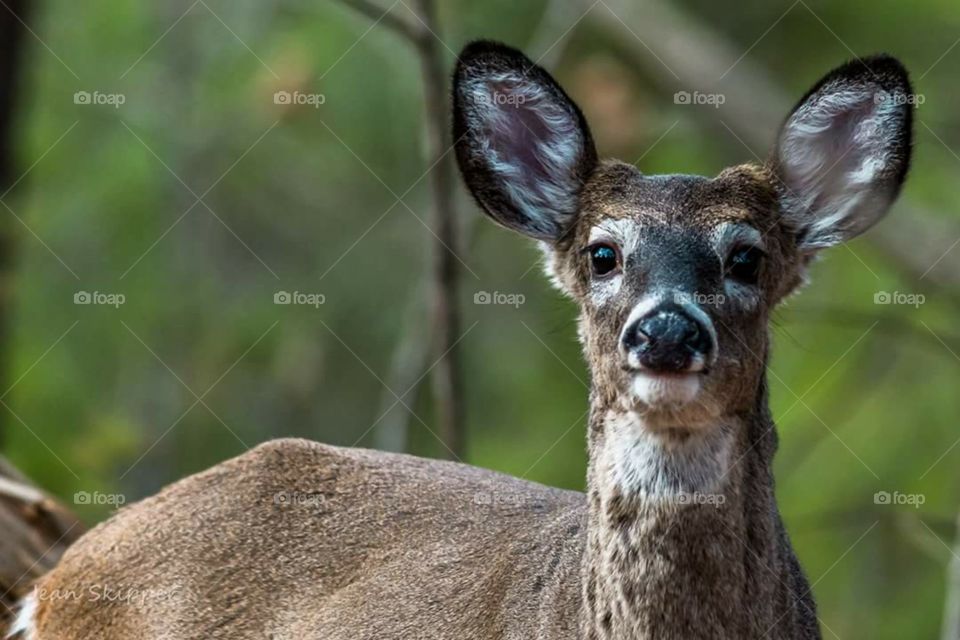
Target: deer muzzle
[{"x": 669, "y": 339}]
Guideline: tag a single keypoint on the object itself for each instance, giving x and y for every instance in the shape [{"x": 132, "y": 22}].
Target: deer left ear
[{"x": 843, "y": 152}]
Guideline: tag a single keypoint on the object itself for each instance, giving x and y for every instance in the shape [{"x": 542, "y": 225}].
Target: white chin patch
[{"x": 659, "y": 390}]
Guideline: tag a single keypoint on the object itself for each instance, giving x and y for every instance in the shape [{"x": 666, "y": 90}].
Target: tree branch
[
  {"x": 421, "y": 30},
  {"x": 409, "y": 28},
  {"x": 12, "y": 31},
  {"x": 413, "y": 347},
  {"x": 447, "y": 380}
]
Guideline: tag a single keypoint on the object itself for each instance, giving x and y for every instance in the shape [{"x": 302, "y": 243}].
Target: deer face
[{"x": 675, "y": 274}]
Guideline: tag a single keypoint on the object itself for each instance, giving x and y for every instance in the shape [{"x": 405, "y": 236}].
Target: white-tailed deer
[{"x": 678, "y": 535}]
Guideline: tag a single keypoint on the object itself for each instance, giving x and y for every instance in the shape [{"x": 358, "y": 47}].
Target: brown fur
[{"x": 381, "y": 552}]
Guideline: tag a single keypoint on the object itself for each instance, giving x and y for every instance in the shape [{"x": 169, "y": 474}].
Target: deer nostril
[
  {"x": 692, "y": 335},
  {"x": 638, "y": 338},
  {"x": 699, "y": 340}
]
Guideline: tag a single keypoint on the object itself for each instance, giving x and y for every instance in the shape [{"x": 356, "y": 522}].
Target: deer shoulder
[{"x": 296, "y": 539}]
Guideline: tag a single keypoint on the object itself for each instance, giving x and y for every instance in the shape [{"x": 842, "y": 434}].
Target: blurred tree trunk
[
  {"x": 413, "y": 348},
  {"x": 421, "y": 30},
  {"x": 447, "y": 376},
  {"x": 407, "y": 367},
  {"x": 12, "y": 31},
  {"x": 36, "y": 531}
]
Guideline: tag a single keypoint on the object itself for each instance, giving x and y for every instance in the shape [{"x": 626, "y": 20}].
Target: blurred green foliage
[{"x": 297, "y": 198}]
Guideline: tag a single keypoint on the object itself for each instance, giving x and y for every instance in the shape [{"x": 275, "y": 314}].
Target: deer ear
[
  {"x": 523, "y": 146},
  {"x": 843, "y": 152}
]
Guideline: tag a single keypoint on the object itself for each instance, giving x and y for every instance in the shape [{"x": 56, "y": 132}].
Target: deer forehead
[{"x": 619, "y": 202}]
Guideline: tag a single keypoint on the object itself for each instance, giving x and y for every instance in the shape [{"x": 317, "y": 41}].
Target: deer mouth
[{"x": 656, "y": 389}]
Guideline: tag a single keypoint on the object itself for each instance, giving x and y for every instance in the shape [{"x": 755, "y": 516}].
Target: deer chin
[
  {"x": 671, "y": 403},
  {"x": 657, "y": 390}
]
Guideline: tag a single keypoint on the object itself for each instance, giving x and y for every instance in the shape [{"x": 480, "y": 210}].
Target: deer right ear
[
  {"x": 843, "y": 153},
  {"x": 523, "y": 146}
]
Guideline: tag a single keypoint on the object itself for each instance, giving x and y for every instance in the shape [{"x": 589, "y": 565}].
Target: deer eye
[
  {"x": 744, "y": 264},
  {"x": 604, "y": 259}
]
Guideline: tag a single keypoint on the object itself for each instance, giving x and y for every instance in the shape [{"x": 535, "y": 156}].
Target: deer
[{"x": 678, "y": 535}]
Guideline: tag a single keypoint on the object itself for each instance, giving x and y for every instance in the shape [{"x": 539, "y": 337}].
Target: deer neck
[{"x": 682, "y": 528}]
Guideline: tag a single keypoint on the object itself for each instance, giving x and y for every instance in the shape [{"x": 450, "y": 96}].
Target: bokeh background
[{"x": 201, "y": 196}]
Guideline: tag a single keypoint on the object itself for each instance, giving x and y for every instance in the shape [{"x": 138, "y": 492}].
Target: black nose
[{"x": 667, "y": 339}]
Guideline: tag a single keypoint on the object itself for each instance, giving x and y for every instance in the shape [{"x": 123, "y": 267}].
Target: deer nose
[{"x": 668, "y": 340}]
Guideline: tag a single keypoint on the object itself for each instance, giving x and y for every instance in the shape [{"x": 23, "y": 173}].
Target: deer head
[{"x": 676, "y": 275}]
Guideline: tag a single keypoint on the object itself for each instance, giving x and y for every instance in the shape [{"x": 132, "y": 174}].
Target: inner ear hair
[
  {"x": 522, "y": 144},
  {"x": 844, "y": 151}
]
